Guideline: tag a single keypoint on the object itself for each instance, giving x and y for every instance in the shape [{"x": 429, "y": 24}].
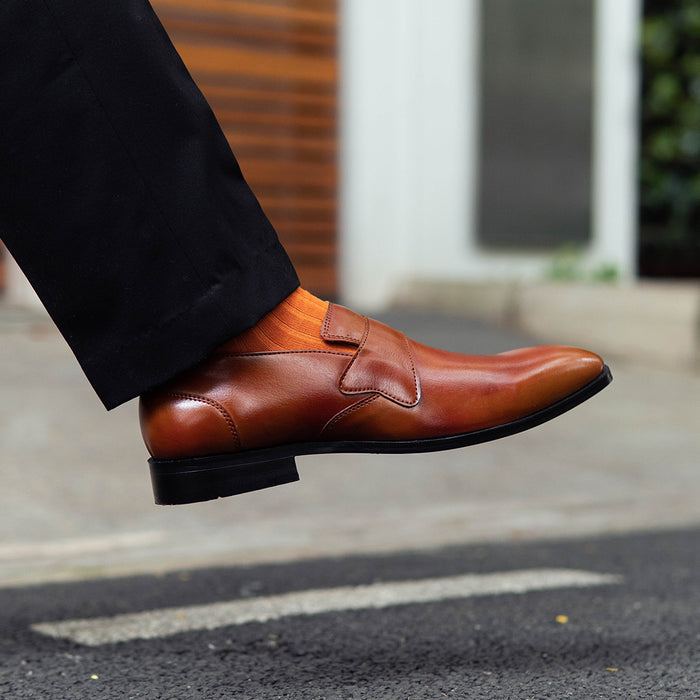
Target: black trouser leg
[{"x": 120, "y": 198}]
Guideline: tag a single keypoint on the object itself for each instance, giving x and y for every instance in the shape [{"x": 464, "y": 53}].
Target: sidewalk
[{"x": 75, "y": 497}]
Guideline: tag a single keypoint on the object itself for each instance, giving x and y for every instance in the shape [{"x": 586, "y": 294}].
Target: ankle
[{"x": 294, "y": 324}]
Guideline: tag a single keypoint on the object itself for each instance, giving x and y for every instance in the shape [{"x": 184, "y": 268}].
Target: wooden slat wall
[{"x": 269, "y": 71}]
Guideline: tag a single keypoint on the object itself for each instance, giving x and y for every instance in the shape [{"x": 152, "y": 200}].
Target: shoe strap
[
  {"x": 342, "y": 325},
  {"x": 383, "y": 363}
]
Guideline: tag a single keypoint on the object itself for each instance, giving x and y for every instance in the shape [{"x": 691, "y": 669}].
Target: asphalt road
[{"x": 635, "y": 635}]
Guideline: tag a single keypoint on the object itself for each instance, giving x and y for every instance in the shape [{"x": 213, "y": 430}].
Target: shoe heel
[{"x": 177, "y": 481}]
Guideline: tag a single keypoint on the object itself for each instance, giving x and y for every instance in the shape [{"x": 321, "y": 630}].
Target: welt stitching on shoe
[
  {"x": 215, "y": 404},
  {"x": 383, "y": 392},
  {"x": 335, "y": 336},
  {"x": 413, "y": 367},
  {"x": 327, "y": 319},
  {"x": 343, "y": 414},
  {"x": 283, "y": 352},
  {"x": 325, "y": 331},
  {"x": 357, "y": 354}
]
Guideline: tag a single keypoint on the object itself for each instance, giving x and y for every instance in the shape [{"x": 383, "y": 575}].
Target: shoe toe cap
[{"x": 558, "y": 371}]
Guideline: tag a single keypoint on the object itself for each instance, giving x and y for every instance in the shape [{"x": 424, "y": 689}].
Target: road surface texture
[{"x": 631, "y": 633}]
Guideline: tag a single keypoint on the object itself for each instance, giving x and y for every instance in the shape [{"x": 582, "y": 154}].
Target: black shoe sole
[{"x": 194, "y": 479}]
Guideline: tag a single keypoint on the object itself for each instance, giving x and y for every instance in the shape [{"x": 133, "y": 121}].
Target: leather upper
[{"x": 372, "y": 384}]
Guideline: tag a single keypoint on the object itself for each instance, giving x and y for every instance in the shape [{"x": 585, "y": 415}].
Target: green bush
[{"x": 670, "y": 149}]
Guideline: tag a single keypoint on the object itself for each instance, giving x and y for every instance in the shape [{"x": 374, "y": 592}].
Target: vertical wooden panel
[{"x": 269, "y": 71}]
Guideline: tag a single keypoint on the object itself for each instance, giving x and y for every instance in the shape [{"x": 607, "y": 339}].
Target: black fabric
[{"x": 120, "y": 198}]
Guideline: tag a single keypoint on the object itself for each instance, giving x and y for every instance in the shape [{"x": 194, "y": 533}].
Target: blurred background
[
  {"x": 459, "y": 155},
  {"x": 530, "y": 166}
]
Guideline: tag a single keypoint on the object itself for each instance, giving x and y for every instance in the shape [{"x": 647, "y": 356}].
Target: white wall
[
  {"x": 616, "y": 134},
  {"x": 409, "y": 135},
  {"x": 408, "y": 71}
]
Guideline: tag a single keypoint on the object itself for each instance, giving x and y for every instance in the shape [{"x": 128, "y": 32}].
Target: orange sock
[{"x": 295, "y": 324}]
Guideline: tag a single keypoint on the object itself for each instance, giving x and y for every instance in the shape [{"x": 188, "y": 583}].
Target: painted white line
[
  {"x": 79, "y": 545},
  {"x": 169, "y": 621}
]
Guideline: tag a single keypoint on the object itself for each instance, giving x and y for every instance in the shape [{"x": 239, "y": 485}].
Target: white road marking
[{"x": 168, "y": 621}]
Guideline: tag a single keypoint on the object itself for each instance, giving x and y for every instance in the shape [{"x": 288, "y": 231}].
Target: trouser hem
[{"x": 139, "y": 364}]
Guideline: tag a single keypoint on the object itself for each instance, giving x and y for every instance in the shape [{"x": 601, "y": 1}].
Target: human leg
[
  {"x": 120, "y": 197},
  {"x": 114, "y": 167}
]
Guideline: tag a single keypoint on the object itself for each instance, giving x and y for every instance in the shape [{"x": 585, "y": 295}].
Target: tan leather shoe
[{"x": 236, "y": 421}]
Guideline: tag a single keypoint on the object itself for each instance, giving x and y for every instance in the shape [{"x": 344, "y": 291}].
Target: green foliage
[
  {"x": 607, "y": 272},
  {"x": 670, "y": 150},
  {"x": 567, "y": 266}
]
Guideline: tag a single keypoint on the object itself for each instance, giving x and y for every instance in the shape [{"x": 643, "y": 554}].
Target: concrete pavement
[{"x": 75, "y": 499}]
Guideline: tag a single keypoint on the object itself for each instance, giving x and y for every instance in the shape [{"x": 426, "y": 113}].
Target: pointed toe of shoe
[
  {"x": 559, "y": 371},
  {"x": 577, "y": 367}
]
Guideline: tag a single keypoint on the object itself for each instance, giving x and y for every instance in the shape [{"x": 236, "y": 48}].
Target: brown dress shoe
[{"x": 235, "y": 422}]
